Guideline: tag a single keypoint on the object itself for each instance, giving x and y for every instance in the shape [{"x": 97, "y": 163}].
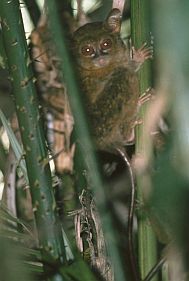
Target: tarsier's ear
[{"x": 113, "y": 21}]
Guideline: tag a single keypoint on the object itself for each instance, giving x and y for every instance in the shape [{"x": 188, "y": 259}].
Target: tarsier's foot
[
  {"x": 146, "y": 96},
  {"x": 142, "y": 54}
]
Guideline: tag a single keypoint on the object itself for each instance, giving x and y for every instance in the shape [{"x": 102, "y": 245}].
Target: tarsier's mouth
[{"x": 98, "y": 63}]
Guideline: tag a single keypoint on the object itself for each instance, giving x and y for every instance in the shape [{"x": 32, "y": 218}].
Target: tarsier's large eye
[
  {"x": 106, "y": 44},
  {"x": 88, "y": 50}
]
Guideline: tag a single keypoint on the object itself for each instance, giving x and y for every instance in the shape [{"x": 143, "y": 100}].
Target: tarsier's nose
[{"x": 99, "y": 53}]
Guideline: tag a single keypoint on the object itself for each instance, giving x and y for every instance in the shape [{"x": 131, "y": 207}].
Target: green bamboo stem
[
  {"x": 82, "y": 131},
  {"x": 147, "y": 252},
  {"x": 39, "y": 174}
]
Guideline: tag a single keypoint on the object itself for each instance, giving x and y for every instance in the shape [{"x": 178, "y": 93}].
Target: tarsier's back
[{"x": 108, "y": 81}]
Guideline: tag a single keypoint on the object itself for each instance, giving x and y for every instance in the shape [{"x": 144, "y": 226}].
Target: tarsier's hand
[{"x": 143, "y": 53}]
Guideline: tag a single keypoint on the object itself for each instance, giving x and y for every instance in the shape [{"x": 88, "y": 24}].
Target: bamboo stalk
[
  {"x": 30, "y": 124},
  {"x": 147, "y": 252}
]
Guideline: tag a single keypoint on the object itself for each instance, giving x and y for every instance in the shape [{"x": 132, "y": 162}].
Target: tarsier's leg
[{"x": 146, "y": 96}]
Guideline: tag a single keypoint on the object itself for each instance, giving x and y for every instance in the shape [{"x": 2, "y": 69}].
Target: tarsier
[{"x": 109, "y": 81}]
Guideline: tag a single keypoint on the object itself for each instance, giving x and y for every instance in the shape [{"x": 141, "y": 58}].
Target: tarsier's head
[{"x": 98, "y": 44}]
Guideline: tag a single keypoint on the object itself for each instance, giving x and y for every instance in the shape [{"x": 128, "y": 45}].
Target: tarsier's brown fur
[{"x": 109, "y": 80}]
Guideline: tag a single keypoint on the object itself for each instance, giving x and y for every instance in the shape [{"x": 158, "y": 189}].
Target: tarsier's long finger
[
  {"x": 143, "y": 46},
  {"x": 146, "y": 96}
]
